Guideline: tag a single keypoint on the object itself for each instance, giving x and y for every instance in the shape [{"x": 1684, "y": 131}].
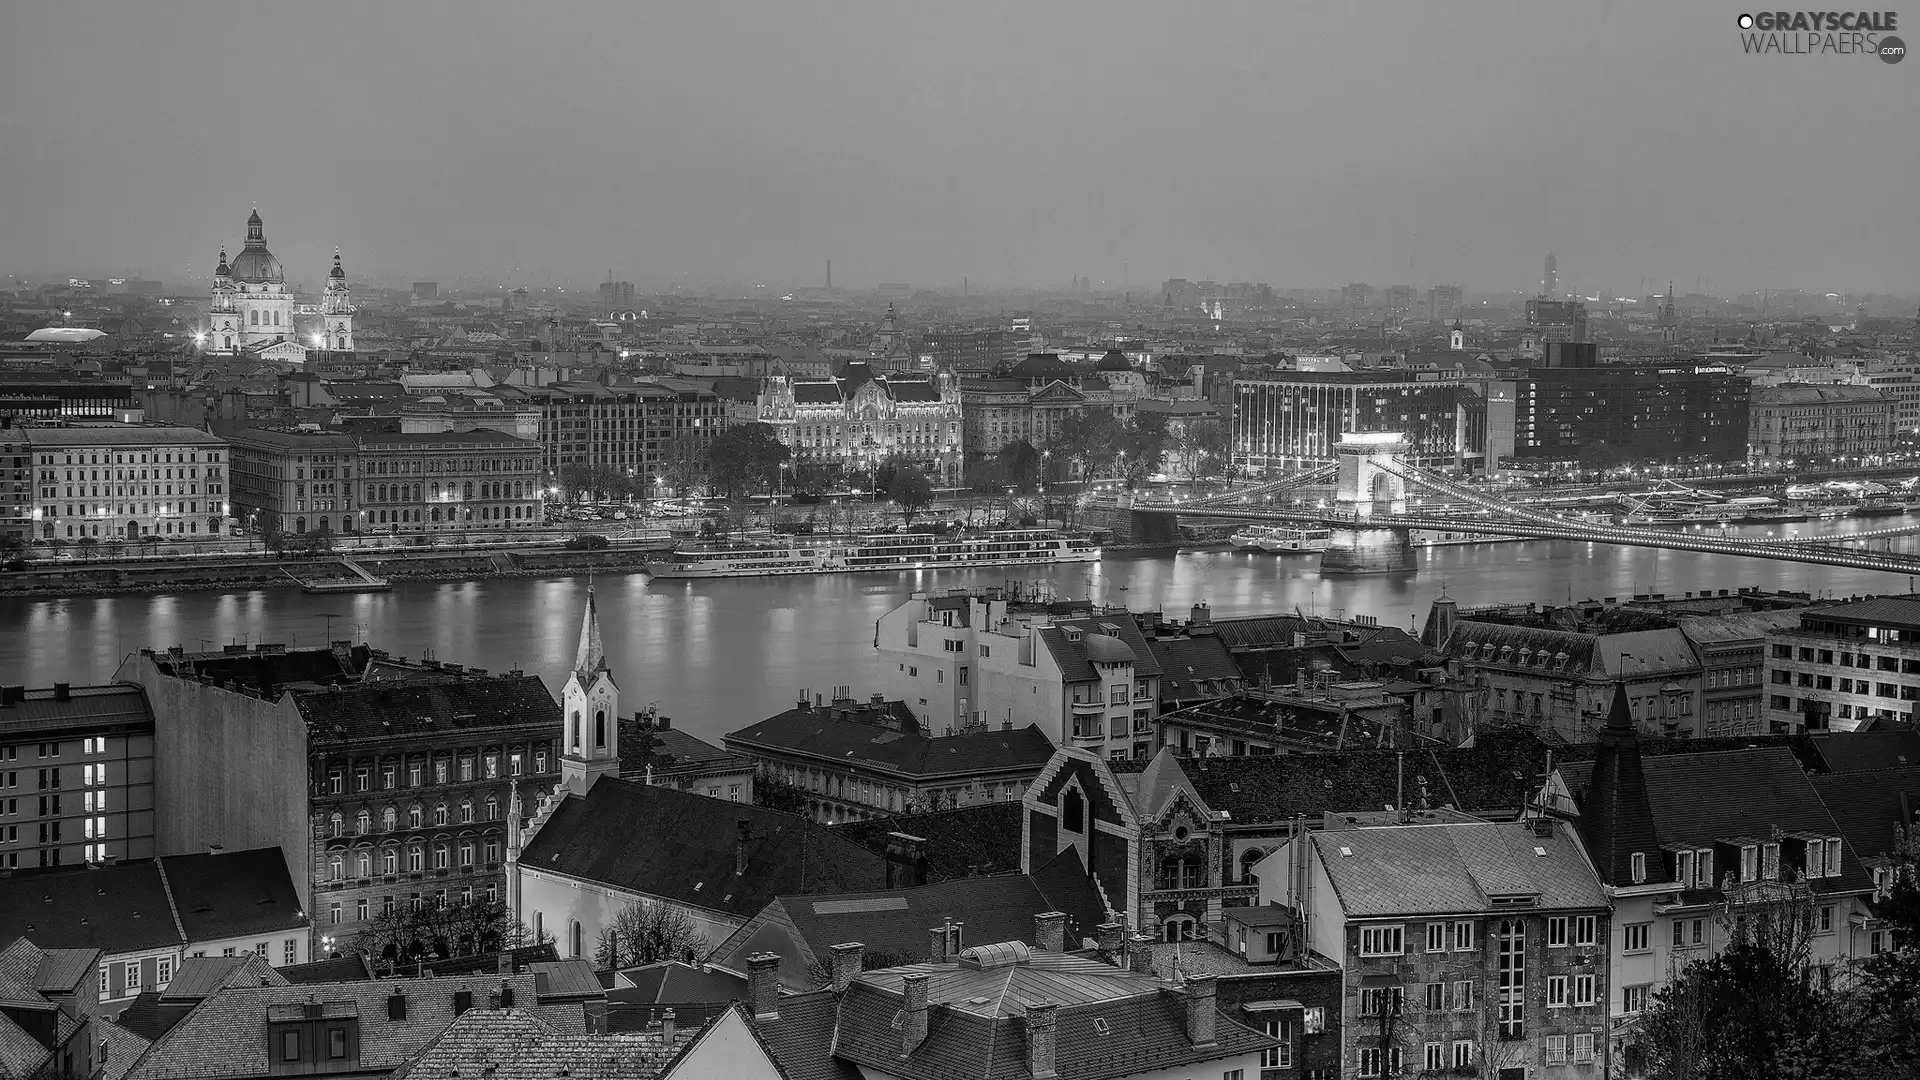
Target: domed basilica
[{"x": 252, "y": 311}]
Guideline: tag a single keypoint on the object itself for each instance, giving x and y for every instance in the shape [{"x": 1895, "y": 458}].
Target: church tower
[
  {"x": 264, "y": 312},
  {"x": 590, "y": 741},
  {"x": 223, "y": 317},
  {"x": 336, "y": 310},
  {"x": 1457, "y": 337}
]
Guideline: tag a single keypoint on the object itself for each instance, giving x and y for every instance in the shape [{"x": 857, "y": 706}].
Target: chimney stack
[
  {"x": 763, "y": 984},
  {"x": 1200, "y": 1011},
  {"x": 913, "y": 1014},
  {"x": 1050, "y": 931},
  {"x": 62, "y": 691},
  {"x": 1040, "y": 1021},
  {"x": 1140, "y": 954},
  {"x": 847, "y": 961},
  {"x": 1108, "y": 935},
  {"x": 666, "y": 1027},
  {"x": 943, "y": 944},
  {"x": 740, "y": 846}
]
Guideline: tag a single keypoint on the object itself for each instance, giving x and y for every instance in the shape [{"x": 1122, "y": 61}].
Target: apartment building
[
  {"x": 100, "y": 481},
  {"x": 1085, "y": 679},
  {"x": 635, "y": 428},
  {"x": 382, "y": 782},
  {"x": 1845, "y": 666},
  {"x": 76, "y": 775}
]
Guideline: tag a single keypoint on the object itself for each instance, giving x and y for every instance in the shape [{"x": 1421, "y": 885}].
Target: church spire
[{"x": 592, "y": 655}]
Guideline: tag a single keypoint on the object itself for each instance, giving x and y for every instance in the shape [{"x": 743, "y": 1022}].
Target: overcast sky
[{"x": 1014, "y": 144}]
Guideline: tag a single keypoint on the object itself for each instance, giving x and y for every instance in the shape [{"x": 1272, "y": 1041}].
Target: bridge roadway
[{"x": 1814, "y": 550}]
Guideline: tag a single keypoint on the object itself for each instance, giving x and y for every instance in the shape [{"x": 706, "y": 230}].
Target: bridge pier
[
  {"x": 1359, "y": 550},
  {"x": 1156, "y": 528}
]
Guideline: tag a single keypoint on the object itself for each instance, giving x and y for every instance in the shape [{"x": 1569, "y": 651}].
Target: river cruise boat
[
  {"x": 1281, "y": 539},
  {"x": 771, "y": 555}
]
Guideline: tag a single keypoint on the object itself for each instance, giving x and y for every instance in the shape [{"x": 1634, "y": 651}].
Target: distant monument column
[{"x": 1362, "y": 490}]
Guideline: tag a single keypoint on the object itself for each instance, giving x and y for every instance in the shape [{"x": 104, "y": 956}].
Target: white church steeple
[{"x": 590, "y": 741}]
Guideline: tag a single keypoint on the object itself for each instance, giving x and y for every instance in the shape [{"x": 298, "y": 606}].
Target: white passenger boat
[
  {"x": 1281, "y": 539},
  {"x": 772, "y": 555}
]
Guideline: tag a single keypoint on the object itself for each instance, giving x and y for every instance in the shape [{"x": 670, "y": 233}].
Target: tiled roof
[
  {"x": 670, "y": 844},
  {"x": 801, "y": 1038},
  {"x": 120, "y": 1048},
  {"x": 1454, "y": 868},
  {"x": 349, "y": 968},
  {"x": 118, "y": 909},
  {"x": 519, "y": 1044},
  {"x": 673, "y": 982},
  {"x": 1864, "y": 751},
  {"x": 903, "y": 389},
  {"x": 1072, "y": 656},
  {"x": 130, "y": 435},
  {"x": 1494, "y": 776},
  {"x": 225, "y": 1035},
  {"x": 1185, "y": 663},
  {"x": 817, "y": 733},
  {"x": 90, "y": 707},
  {"x": 62, "y": 971},
  {"x": 1616, "y": 818},
  {"x": 443, "y": 703},
  {"x": 1699, "y": 799},
  {"x": 1869, "y": 806},
  {"x": 267, "y": 669},
  {"x": 202, "y": 976},
  {"x": 1899, "y": 611},
  {"x": 972, "y": 841},
  {"x": 234, "y": 894},
  {"x": 565, "y": 978},
  {"x": 817, "y": 392},
  {"x": 21, "y": 1055},
  {"x": 976, "y": 1022}
]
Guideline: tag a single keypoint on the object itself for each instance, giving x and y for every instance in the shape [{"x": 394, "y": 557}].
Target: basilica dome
[{"x": 255, "y": 263}]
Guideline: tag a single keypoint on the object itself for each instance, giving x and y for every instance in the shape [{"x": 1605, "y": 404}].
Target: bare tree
[{"x": 647, "y": 932}]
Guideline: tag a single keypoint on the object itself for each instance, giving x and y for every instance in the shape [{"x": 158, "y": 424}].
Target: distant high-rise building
[
  {"x": 426, "y": 290},
  {"x": 1550, "y": 281},
  {"x": 1443, "y": 303},
  {"x": 1353, "y": 299},
  {"x": 1557, "y": 320},
  {"x": 1400, "y": 301},
  {"x": 616, "y": 294}
]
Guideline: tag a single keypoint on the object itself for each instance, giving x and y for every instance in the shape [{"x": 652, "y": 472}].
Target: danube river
[{"x": 717, "y": 655}]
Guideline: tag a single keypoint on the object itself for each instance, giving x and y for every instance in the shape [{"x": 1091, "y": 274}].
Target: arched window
[
  {"x": 493, "y": 808},
  {"x": 466, "y": 854},
  {"x": 334, "y": 871},
  {"x": 440, "y": 813},
  {"x": 1247, "y": 859},
  {"x": 363, "y": 864},
  {"x": 416, "y": 859},
  {"x": 253, "y": 318},
  {"x": 1073, "y": 810},
  {"x": 414, "y": 816},
  {"x": 466, "y": 490},
  {"x": 600, "y": 729},
  {"x": 573, "y": 731},
  {"x": 335, "y": 824},
  {"x": 388, "y": 819},
  {"x": 362, "y": 823},
  {"x": 466, "y": 811},
  {"x": 576, "y": 938},
  {"x": 1177, "y": 928}
]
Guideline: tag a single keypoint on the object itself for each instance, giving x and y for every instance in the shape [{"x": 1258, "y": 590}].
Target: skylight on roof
[{"x": 1346, "y": 852}]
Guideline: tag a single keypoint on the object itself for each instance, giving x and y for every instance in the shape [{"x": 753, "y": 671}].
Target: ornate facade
[
  {"x": 859, "y": 419},
  {"x": 251, "y": 308}
]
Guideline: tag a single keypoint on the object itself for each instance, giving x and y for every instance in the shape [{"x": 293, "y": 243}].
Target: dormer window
[
  {"x": 1683, "y": 869},
  {"x": 1770, "y": 861},
  {"x": 1637, "y": 864},
  {"x": 1703, "y": 867},
  {"x": 1526, "y": 656},
  {"x": 1749, "y": 862}
]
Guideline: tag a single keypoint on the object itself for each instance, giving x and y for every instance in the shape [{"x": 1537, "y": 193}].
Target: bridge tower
[{"x": 1366, "y": 486}]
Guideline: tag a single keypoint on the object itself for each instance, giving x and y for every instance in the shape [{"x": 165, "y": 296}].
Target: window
[
  {"x": 1279, "y": 1057},
  {"x": 1462, "y": 1053},
  {"x": 289, "y": 1041},
  {"x": 1463, "y": 940},
  {"x": 1635, "y": 937},
  {"x": 1382, "y": 1000},
  {"x": 164, "y": 974},
  {"x": 333, "y": 917},
  {"x": 336, "y": 1042},
  {"x": 1583, "y": 1048},
  {"x": 1436, "y": 997},
  {"x": 1825, "y": 922},
  {"x": 1703, "y": 867},
  {"x": 1436, "y": 937},
  {"x": 1633, "y": 999},
  {"x": 1583, "y": 990},
  {"x": 1556, "y": 931},
  {"x": 1556, "y": 991},
  {"x": 1556, "y": 1049},
  {"x": 1380, "y": 941},
  {"x": 1585, "y": 929},
  {"x": 1689, "y": 933},
  {"x": 1435, "y": 1057},
  {"x": 1463, "y": 996},
  {"x": 1513, "y": 978}
]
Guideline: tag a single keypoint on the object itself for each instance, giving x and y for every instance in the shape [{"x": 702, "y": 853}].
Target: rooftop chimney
[
  {"x": 1108, "y": 935},
  {"x": 740, "y": 846},
  {"x": 906, "y": 860},
  {"x": 1200, "y": 1012},
  {"x": 666, "y": 1027},
  {"x": 1050, "y": 931},
  {"x": 1040, "y": 1018},
  {"x": 763, "y": 984},
  {"x": 913, "y": 1014},
  {"x": 396, "y": 1006},
  {"x": 945, "y": 940},
  {"x": 1140, "y": 954},
  {"x": 847, "y": 960},
  {"x": 62, "y": 691}
]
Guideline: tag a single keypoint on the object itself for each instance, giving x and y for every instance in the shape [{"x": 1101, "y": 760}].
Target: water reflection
[{"x": 720, "y": 654}]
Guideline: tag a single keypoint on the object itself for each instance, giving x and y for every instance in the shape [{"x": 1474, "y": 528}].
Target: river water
[{"x": 717, "y": 655}]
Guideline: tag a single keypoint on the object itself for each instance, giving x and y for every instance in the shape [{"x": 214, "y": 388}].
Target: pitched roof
[
  {"x": 233, "y": 894},
  {"x": 818, "y": 733},
  {"x": 801, "y": 1038},
  {"x": 678, "y": 846},
  {"x": 428, "y": 703},
  {"x": 1616, "y": 820},
  {"x": 976, "y": 1021},
  {"x": 350, "y": 968},
  {"x": 120, "y": 1048},
  {"x": 1455, "y": 867},
  {"x": 202, "y": 976},
  {"x": 1700, "y": 799},
  {"x": 114, "y": 706},
  {"x": 118, "y": 909},
  {"x": 1186, "y": 662},
  {"x": 224, "y": 1035},
  {"x": 1098, "y": 632},
  {"x": 1496, "y": 775},
  {"x": 673, "y": 982},
  {"x": 971, "y": 841},
  {"x": 1870, "y": 806},
  {"x": 521, "y": 1044},
  {"x": 1896, "y": 611},
  {"x": 1866, "y": 751},
  {"x": 21, "y": 1054}
]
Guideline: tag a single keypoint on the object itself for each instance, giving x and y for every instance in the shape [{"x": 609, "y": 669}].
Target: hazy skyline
[{"x": 1014, "y": 145}]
